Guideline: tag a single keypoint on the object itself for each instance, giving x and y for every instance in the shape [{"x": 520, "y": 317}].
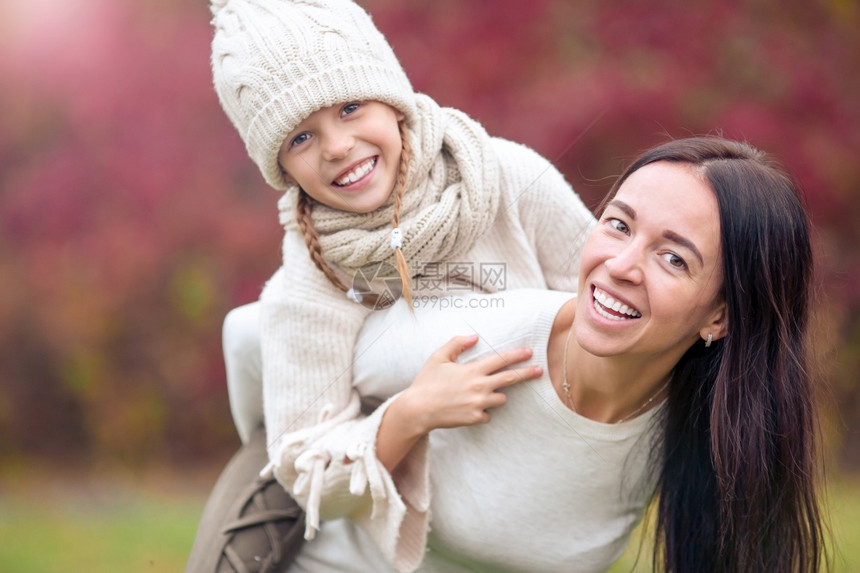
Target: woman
[{"x": 680, "y": 370}]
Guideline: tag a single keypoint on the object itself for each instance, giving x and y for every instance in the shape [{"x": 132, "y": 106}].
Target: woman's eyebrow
[
  {"x": 684, "y": 242},
  {"x": 628, "y": 210}
]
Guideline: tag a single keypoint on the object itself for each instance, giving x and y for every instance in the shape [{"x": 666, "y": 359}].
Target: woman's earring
[{"x": 709, "y": 340}]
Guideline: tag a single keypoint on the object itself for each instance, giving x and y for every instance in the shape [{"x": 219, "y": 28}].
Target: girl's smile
[{"x": 356, "y": 174}]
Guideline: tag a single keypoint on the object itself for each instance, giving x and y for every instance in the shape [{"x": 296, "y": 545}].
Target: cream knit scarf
[{"x": 451, "y": 198}]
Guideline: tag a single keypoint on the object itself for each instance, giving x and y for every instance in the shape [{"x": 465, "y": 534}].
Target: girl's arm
[
  {"x": 320, "y": 447},
  {"x": 307, "y": 334}
]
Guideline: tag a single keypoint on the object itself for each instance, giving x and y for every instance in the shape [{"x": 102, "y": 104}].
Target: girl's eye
[
  {"x": 299, "y": 139},
  {"x": 674, "y": 260},
  {"x": 350, "y": 107},
  {"x": 618, "y": 225}
]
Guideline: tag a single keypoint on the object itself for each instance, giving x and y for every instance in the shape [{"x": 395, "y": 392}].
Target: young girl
[
  {"x": 376, "y": 176},
  {"x": 680, "y": 370}
]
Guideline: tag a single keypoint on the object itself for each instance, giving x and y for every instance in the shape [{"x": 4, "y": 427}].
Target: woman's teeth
[
  {"x": 357, "y": 173},
  {"x": 610, "y": 308}
]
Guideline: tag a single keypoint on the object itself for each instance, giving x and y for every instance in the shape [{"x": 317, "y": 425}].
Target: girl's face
[
  {"x": 346, "y": 156},
  {"x": 651, "y": 271}
]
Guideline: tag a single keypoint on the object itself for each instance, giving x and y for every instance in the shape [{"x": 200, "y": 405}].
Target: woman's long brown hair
[{"x": 738, "y": 462}]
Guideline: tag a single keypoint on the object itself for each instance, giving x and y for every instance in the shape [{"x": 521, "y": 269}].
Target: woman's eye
[
  {"x": 350, "y": 107},
  {"x": 299, "y": 139},
  {"x": 675, "y": 260},
  {"x": 618, "y": 225}
]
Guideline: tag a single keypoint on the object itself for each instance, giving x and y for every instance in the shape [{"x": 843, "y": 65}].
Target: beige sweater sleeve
[
  {"x": 321, "y": 448},
  {"x": 551, "y": 214}
]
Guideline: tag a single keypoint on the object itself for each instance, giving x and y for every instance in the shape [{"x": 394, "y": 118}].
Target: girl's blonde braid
[
  {"x": 303, "y": 215},
  {"x": 399, "y": 190}
]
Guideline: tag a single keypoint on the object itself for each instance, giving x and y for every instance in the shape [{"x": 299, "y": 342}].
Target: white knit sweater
[
  {"x": 537, "y": 489},
  {"x": 321, "y": 448}
]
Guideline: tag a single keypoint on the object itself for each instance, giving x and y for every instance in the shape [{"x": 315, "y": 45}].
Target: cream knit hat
[{"x": 274, "y": 62}]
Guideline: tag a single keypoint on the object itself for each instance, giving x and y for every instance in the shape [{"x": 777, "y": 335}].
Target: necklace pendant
[{"x": 565, "y": 385}]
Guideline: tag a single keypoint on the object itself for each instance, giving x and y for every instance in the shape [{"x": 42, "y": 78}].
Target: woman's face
[
  {"x": 651, "y": 271},
  {"x": 346, "y": 156}
]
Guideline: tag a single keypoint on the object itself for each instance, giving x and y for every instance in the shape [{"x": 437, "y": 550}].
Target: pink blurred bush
[{"x": 131, "y": 219}]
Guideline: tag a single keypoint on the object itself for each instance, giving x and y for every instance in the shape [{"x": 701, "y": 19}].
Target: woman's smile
[{"x": 608, "y": 307}]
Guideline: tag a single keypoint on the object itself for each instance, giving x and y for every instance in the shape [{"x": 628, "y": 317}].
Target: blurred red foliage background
[{"x": 131, "y": 219}]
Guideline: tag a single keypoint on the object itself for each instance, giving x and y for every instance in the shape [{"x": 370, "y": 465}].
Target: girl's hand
[{"x": 446, "y": 394}]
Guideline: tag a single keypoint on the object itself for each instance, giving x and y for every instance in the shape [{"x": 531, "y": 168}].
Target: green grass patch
[
  {"x": 845, "y": 520},
  {"x": 130, "y": 535},
  {"x": 138, "y": 531}
]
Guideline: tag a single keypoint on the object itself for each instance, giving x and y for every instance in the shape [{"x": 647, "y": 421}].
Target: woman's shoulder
[
  {"x": 529, "y": 300},
  {"x": 503, "y": 314},
  {"x": 493, "y": 314}
]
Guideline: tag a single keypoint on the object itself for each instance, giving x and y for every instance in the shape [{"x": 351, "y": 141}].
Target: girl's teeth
[{"x": 356, "y": 173}]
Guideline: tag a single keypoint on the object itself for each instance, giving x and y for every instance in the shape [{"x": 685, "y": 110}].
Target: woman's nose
[{"x": 626, "y": 264}]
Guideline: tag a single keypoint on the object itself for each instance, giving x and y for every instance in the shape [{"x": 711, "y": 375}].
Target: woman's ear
[{"x": 718, "y": 324}]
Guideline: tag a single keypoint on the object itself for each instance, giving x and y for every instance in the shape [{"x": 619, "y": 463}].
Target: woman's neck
[{"x": 605, "y": 389}]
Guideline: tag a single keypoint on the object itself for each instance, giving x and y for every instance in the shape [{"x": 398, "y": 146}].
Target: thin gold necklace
[{"x": 566, "y": 385}]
